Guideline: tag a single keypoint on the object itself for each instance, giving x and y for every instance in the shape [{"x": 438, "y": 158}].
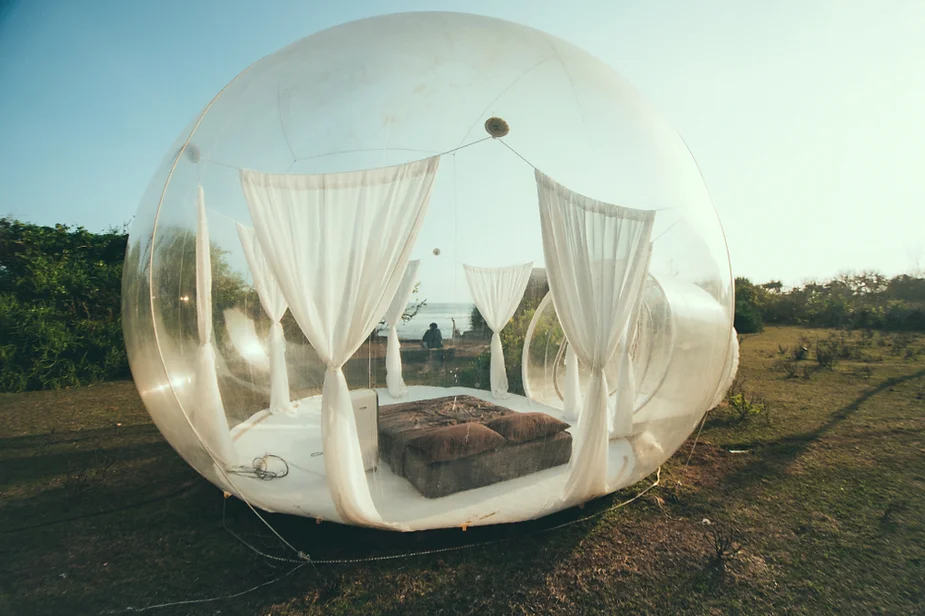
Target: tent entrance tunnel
[{"x": 276, "y": 296}]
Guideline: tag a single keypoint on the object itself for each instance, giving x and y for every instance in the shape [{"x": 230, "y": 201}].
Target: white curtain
[
  {"x": 572, "y": 397},
  {"x": 596, "y": 259},
  {"x": 624, "y": 405},
  {"x": 208, "y": 415},
  {"x": 497, "y": 292},
  {"x": 393, "y": 315},
  {"x": 339, "y": 245},
  {"x": 274, "y": 304}
]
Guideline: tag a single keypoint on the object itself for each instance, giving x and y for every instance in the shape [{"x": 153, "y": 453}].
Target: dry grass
[{"x": 821, "y": 513}]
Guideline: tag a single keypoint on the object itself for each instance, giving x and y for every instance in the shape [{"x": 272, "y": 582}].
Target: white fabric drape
[
  {"x": 208, "y": 416},
  {"x": 339, "y": 245},
  {"x": 572, "y": 396},
  {"x": 596, "y": 259},
  {"x": 624, "y": 407},
  {"x": 393, "y": 378},
  {"x": 274, "y": 304},
  {"x": 497, "y": 292}
]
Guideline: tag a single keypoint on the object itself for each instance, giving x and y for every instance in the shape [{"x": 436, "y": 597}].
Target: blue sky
[{"x": 804, "y": 115}]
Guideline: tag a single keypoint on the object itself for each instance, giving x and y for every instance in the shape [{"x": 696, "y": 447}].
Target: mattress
[{"x": 447, "y": 445}]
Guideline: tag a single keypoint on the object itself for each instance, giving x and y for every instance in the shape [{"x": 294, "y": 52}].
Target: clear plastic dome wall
[{"x": 349, "y": 287}]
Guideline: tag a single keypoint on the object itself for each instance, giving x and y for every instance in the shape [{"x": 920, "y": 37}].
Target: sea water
[{"x": 440, "y": 313}]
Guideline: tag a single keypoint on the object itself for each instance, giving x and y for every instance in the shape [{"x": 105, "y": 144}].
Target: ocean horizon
[{"x": 441, "y": 313}]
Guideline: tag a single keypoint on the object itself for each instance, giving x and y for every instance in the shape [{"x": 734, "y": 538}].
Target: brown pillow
[
  {"x": 455, "y": 442},
  {"x": 523, "y": 427}
]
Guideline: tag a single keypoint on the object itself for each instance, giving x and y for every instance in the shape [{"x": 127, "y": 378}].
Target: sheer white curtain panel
[
  {"x": 572, "y": 394},
  {"x": 596, "y": 260},
  {"x": 393, "y": 315},
  {"x": 339, "y": 245},
  {"x": 208, "y": 415},
  {"x": 274, "y": 305},
  {"x": 497, "y": 292}
]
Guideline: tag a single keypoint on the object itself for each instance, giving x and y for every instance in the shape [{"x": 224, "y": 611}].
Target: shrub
[
  {"x": 899, "y": 345},
  {"x": 745, "y": 405},
  {"x": 724, "y": 540},
  {"x": 477, "y": 373},
  {"x": 61, "y": 299},
  {"x": 60, "y": 290},
  {"x": 826, "y": 354},
  {"x": 787, "y": 366},
  {"x": 747, "y": 307}
]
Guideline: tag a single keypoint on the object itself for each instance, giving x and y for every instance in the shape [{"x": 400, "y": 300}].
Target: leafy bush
[
  {"x": 61, "y": 299},
  {"x": 59, "y": 306},
  {"x": 748, "y": 318},
  {"x": 827, "y": 354},
  {"x": 788, "y": 367},
  {"x": 477, "y": 373},
  {"x": 745, "y": 405}
]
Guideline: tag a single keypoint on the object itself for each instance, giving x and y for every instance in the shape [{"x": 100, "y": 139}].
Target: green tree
[
  {"x": 61, "y": 295},
  {"x": 749, "y": 302},
  {"x": 59, "y": 305}
]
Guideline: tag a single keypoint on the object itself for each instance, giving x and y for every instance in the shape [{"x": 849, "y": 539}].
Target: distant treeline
[
  {"x": 858, "y": 301},
  {"x": 61, "y": 287}
]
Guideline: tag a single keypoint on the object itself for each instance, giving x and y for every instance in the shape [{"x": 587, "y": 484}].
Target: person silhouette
[{"x": 432, "y": 339}]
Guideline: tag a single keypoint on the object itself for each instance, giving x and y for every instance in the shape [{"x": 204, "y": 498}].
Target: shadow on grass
[
  {"x": 61, "y": 459},
  {"x": 774, "y": 458},
  {"x": 32, "y": 442},
  {"x": 153, "y": 518},
  {"x": 179, "y": 543},
  {"x": 445, "y": 571}
]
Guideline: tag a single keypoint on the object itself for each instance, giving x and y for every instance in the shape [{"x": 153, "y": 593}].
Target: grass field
[{"x": 813, "y": 483}]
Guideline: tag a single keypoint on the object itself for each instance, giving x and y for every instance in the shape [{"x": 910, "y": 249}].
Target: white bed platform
[{"x": 304, "y": 491}]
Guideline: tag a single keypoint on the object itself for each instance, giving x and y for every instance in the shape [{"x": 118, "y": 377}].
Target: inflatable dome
[{"x": 427, "y": 270}]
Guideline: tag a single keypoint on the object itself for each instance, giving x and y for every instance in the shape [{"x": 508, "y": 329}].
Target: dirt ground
[{"x": 805, "y": 494}]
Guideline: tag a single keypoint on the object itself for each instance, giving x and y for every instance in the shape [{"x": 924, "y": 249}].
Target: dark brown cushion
[
  {"x": 455, "y": 442},
  {"x": 523, "y": 427}
]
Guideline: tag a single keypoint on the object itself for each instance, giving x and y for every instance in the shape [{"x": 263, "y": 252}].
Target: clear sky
[{"x": 807, "y": 117}]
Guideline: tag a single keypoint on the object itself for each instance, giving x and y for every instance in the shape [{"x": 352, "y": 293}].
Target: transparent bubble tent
[{"x": 428, "y": 270}]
